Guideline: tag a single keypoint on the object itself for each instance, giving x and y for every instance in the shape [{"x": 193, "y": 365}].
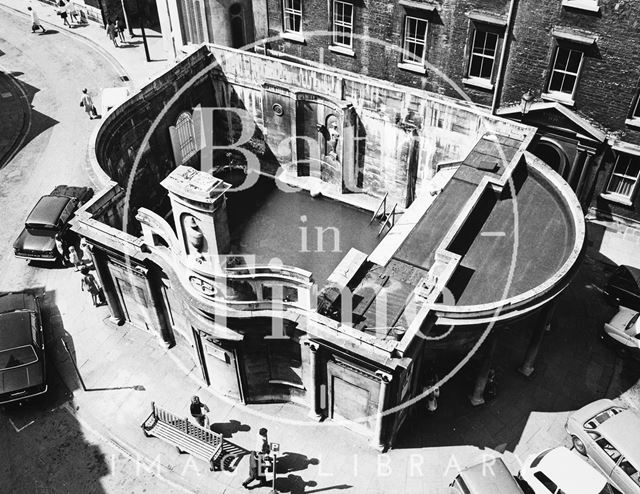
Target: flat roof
[{"x": 511, "y": 236}]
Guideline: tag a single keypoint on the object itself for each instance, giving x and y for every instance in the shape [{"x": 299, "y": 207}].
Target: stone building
[
  {"x": 571, "y": 65},
  {"x": 316, "y": 236}
]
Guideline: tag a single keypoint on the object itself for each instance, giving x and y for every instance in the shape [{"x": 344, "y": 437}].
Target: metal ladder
[{"x": 387, "y": 218}]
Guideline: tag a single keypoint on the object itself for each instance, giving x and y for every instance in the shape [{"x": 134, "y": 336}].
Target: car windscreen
[
  {"x": 17, "y": 357},
  {"x": 633, "y": 321}
]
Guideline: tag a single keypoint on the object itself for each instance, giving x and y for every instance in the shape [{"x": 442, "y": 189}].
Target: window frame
[
  {"x": 184, "y": 125},
  {"x": 406, "y": 41},
  {"x": 563, "y": 96},
  {"x": 290, "y": 12},
  {"x": 487, "y": 28},
  {"x": 335, "y": 23},
  {"x": 634, "y": 188}
]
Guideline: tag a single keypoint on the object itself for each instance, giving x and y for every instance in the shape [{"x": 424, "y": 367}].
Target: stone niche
[{"x": 199, "y": 209}]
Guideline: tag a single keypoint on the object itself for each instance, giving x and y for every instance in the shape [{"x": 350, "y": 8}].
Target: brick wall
[{"x": 610, "y": 73}]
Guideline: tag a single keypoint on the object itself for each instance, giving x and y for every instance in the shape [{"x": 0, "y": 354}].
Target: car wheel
[{"x": 579, "y": 445}]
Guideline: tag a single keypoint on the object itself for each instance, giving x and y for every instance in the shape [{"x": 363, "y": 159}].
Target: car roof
[
  {"x": 589, "y": 411},
  {"x": 493, "y": 477},
  {"x": 19, "y": 300},
  {"x": 571, "y": 473},
  {"x": 47, "y": 211},
  {"x": 618, "y": 431},
  {"x": 15, "y": 329}
]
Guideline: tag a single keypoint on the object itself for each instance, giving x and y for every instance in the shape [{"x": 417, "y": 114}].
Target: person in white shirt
[{"x": 35, "y": 21}]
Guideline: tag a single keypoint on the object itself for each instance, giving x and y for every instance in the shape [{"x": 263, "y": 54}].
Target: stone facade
[{"x": 160, "y": 228}]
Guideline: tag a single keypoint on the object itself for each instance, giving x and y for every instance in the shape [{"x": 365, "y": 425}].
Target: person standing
[
  {"x": 111, "y": 32},
  {"x": 71, "y": 11},
  {"x": 87, "y": 102},
  {"x": 120, "y": 27},
  {"x": 255, "y": 473},
  {"x": 61, "y": 248},
  {"x": 85, "y": 247},
  {"x": 90, "y": 283},
  {"x": 63, "y": 13},
  {"x": 262, "y": 444},
  {"x": 35, "y": 21},
  {"x": 74, "y": 258},
  {"x": 196, "y": 409}
]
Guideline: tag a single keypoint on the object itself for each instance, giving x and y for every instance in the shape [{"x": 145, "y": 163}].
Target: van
[{"x": 489, "y": 477}]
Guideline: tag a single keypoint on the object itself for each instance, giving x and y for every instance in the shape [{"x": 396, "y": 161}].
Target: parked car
[
  {"x": 610, "y": 436},
  {"x": 623, "y": 287},
  {"x": 624, "y": 329},
  {"x": 560, "y": 471},
  {"x": 49, "y": 216},
  {"x": 22, "y": 358},
  {"x": 488, "y": 477}
]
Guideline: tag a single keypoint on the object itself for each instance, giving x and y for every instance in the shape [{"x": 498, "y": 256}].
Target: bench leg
[{"x": 212, "y": 466}]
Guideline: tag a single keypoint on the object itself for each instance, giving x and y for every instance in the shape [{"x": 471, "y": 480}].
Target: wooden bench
[{"x": 185, "y": 436}]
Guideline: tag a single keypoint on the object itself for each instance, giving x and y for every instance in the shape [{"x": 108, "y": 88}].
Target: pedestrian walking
[
  {"x": 71, "y": 11},
  {"x": 74, "y": 258},
  {"x": 120, "y": 27},
  {"x": 112, "y": 33},
  {"x": 61, "y": 248},
  {"x": 87, "y": 103},
  {"x": 90, "y": 283},
  {"x": 255, "y": 470},
  {"x": 35, "y": 21},
  {"x": 262, "y": 443},
  {"x": 62, "y": 12},
  {"x": 196, "y": 409},
  {"x": 85, "y": 248}
]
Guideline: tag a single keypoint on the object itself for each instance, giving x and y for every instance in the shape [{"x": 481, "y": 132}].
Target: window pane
[
  {"x": 556, "y": 82},
  {"x": 479, "y": 41},
  {"x": 574, "y": 61},
  {"x": 487, "y": 67},
  {"x": 474, "y": 70},
  {"x": 562, "y": 58},
  {"x": 568, "y": 84}
]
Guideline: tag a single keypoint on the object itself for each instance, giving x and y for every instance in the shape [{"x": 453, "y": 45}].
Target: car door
[{"x": 623, "y": 476}]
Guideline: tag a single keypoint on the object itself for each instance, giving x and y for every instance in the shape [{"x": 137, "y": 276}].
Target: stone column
[
  {"x": 542, "y": 324},
  {"x": 585, "y": 171},
  {"x": 155, "y": 305},
  {"x": 314, "y": 411},
  {"x": 99, "y": 259},
  {"x": 378, "y": 431},
  {"x": 477, "y": 397},
  {"x": 574, "y": 173}
]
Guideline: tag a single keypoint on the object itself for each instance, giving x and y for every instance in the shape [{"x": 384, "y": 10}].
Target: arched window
[
  {"x": 186, "y": 136},
  {"x": 236, "y": 14}
]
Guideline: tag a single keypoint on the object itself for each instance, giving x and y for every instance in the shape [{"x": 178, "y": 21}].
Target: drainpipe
[{"x": 503, "y": 56}]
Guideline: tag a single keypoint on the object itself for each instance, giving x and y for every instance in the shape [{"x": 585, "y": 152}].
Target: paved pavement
[
  {"x": 89, "y": 440},
  {"x": 128, "y": 60}
]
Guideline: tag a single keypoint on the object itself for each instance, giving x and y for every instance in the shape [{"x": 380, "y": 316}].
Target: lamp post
[
  {"x": 144, "y": 36},
  {"x": 275, "y": 447},
  {"x": 527, "y": 101}
]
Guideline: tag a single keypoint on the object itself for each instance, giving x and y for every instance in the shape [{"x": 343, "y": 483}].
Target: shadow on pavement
[
  {"x": 39, "y": 122},
  {"x": 294, "y": 462},
  {"x": 228, "y": 429},
  {"x": 43, "y": 445}
]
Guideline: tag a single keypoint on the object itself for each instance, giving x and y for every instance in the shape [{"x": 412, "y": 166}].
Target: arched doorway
[
  {"x": 238, "y": 37},
  {"x": 552, "y": 155}
]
